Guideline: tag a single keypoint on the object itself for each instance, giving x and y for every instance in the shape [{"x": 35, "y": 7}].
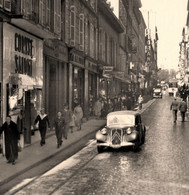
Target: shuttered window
[
  {"x": 48, "y": 13},
  {"x": 92, "y": 40},
  {"x": 57, "y": 16},
  {"x": 1, "y": 3},
  {"x": 7, "y": 5},
  {"x": 100, "y": 43},
  {"x": 81, "y": 32},
  {"x": 41, "y": 11},
  {"x": 72, "y": 25}
]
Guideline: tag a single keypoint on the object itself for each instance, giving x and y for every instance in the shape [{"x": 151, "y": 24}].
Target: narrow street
[{"x": 160, "y": 167}]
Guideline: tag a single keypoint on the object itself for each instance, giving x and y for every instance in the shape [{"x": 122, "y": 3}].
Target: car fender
[{"x": 100, "y": 136}]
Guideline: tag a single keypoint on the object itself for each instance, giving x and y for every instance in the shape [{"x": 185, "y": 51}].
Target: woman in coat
[
  {"x": 98, "y": 108},
  {"x": 67, "y": 115},
  {"x": 59, "y": 128},
  {"x": 78, "y": 112},
  {"x": 11, "y": 140}
]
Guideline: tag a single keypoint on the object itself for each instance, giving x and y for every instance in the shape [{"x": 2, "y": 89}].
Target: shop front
[
  {"x": 91, "y": 97},
  {"x": 107, "y": 87},
  {"x": 55, "y": 77},
  {"x": 22, "y": 77},
  {"x": 77, "y": 80}
]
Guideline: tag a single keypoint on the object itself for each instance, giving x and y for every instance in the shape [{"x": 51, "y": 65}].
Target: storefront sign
[
  {"x": 78, "y": 60},
  {"x": 23, "y": 55}
]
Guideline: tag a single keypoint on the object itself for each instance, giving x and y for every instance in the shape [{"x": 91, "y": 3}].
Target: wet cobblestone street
[{"x": 161, "y": 167}]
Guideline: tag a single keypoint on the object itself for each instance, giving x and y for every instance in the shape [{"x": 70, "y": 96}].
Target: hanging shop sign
[{"x": 107, "y": 71}]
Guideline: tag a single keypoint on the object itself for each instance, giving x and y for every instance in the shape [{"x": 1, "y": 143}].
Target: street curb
[{"x": 45, "y": 159}]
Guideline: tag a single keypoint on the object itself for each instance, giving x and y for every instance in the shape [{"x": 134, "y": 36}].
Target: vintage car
[
  {"x": 123, "y": 128},
  {"x": 157, "y": 93}
]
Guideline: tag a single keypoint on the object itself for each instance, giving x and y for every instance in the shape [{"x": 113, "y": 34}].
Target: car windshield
[
  {"x": 157, "y": 90},
  {"x": 120, "y": 120}
]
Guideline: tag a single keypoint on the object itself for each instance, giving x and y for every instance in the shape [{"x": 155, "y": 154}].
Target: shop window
[{"x": 72, "y": 25}]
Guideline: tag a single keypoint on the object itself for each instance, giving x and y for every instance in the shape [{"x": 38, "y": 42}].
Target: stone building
[
  {"x": 24, "y": 26},
  {"x": 81, "y": 38},
  {"x": 110, "y": 28}
]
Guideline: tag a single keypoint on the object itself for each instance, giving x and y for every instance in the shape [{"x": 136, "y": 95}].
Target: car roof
[{"x": 125, "y": 112}]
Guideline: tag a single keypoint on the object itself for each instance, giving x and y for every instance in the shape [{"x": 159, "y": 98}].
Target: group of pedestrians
[
  {"x": 63, "y": 122},
  {"x": 178, "y": 106},
  {"x": 103, "y": 106}
]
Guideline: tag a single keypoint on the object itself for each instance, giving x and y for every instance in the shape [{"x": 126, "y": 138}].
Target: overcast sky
[{"x": 170, "y": 17}]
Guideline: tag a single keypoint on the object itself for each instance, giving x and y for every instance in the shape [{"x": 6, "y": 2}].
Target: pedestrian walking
[
  {"x": 43, "y": 120},
  {"x": 78, "y": 112},
  {"x": 67, "y": 115},
  {"x": 174, "y": 107},
  {"x": 12, "y": 137},
  {"x": 59, "y": 128},
  {"x": 110, "y": 106},
  {"x": 20, "y": 126},
  {"x": 117, "y": 104},
  {"x": 140, "y": 101},
  {"x": 183, "y": 109},
  {"x": 72, "y": 123},
  {"x": 98, "y": 108},
  {"x": 105, "y": 109}
]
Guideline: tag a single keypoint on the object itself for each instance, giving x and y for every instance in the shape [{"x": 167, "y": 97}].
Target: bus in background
[{"x": 172, "y": 87}]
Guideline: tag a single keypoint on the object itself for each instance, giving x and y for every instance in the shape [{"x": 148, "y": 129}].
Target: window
[
  {"x": 100, "y": 44},
  {"x": 57, "y": 16},
  {"x": 1, "y": 3},
  {"x": 41, "y": 11},
  {"x": 7, "y": 5},
  {"x": 72, "y": 25},
  {"x": 92, "y": 40},
  {"x": 81, "y": 32},
  {"x": 48, "y": 13}
]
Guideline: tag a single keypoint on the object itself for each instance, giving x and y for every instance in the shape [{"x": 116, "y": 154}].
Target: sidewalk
[{"x": 34, "y": 154}]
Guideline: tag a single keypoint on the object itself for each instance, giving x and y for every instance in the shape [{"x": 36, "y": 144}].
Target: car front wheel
[
  {"x": 136, "y": 146},
  {"x": 100, "y": 149}
]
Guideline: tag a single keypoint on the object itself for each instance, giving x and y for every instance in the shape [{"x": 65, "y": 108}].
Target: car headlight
[
  {"x": 129, "y": 131},
  {"x": 104, "y": 131}
]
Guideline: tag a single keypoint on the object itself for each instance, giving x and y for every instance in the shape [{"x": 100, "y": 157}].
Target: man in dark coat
[
  {"x": 59, "y": 128},
  {"x": 11, "y": 140},
  {"x": 183, "y": 109},
  {"x": 67, "y": 115},
  {"x": 174, "y": 107},
  {"x": 43, "y": 121}
]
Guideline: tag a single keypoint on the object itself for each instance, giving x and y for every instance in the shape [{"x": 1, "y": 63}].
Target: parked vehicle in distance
[
  {"x": 157, "y": 93},
  {"x": 123, "y": 129}
]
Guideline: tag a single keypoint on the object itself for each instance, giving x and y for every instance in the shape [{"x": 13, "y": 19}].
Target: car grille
[{"x": 116, "y": 136}]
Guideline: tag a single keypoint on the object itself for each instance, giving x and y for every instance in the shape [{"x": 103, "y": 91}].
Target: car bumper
[
  {"x": 123, "y": 144},
  {"x": 157, "y": 96}
]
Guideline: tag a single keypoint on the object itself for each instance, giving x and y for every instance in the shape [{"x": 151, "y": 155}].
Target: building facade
[{"x": 24, "y": 26}]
